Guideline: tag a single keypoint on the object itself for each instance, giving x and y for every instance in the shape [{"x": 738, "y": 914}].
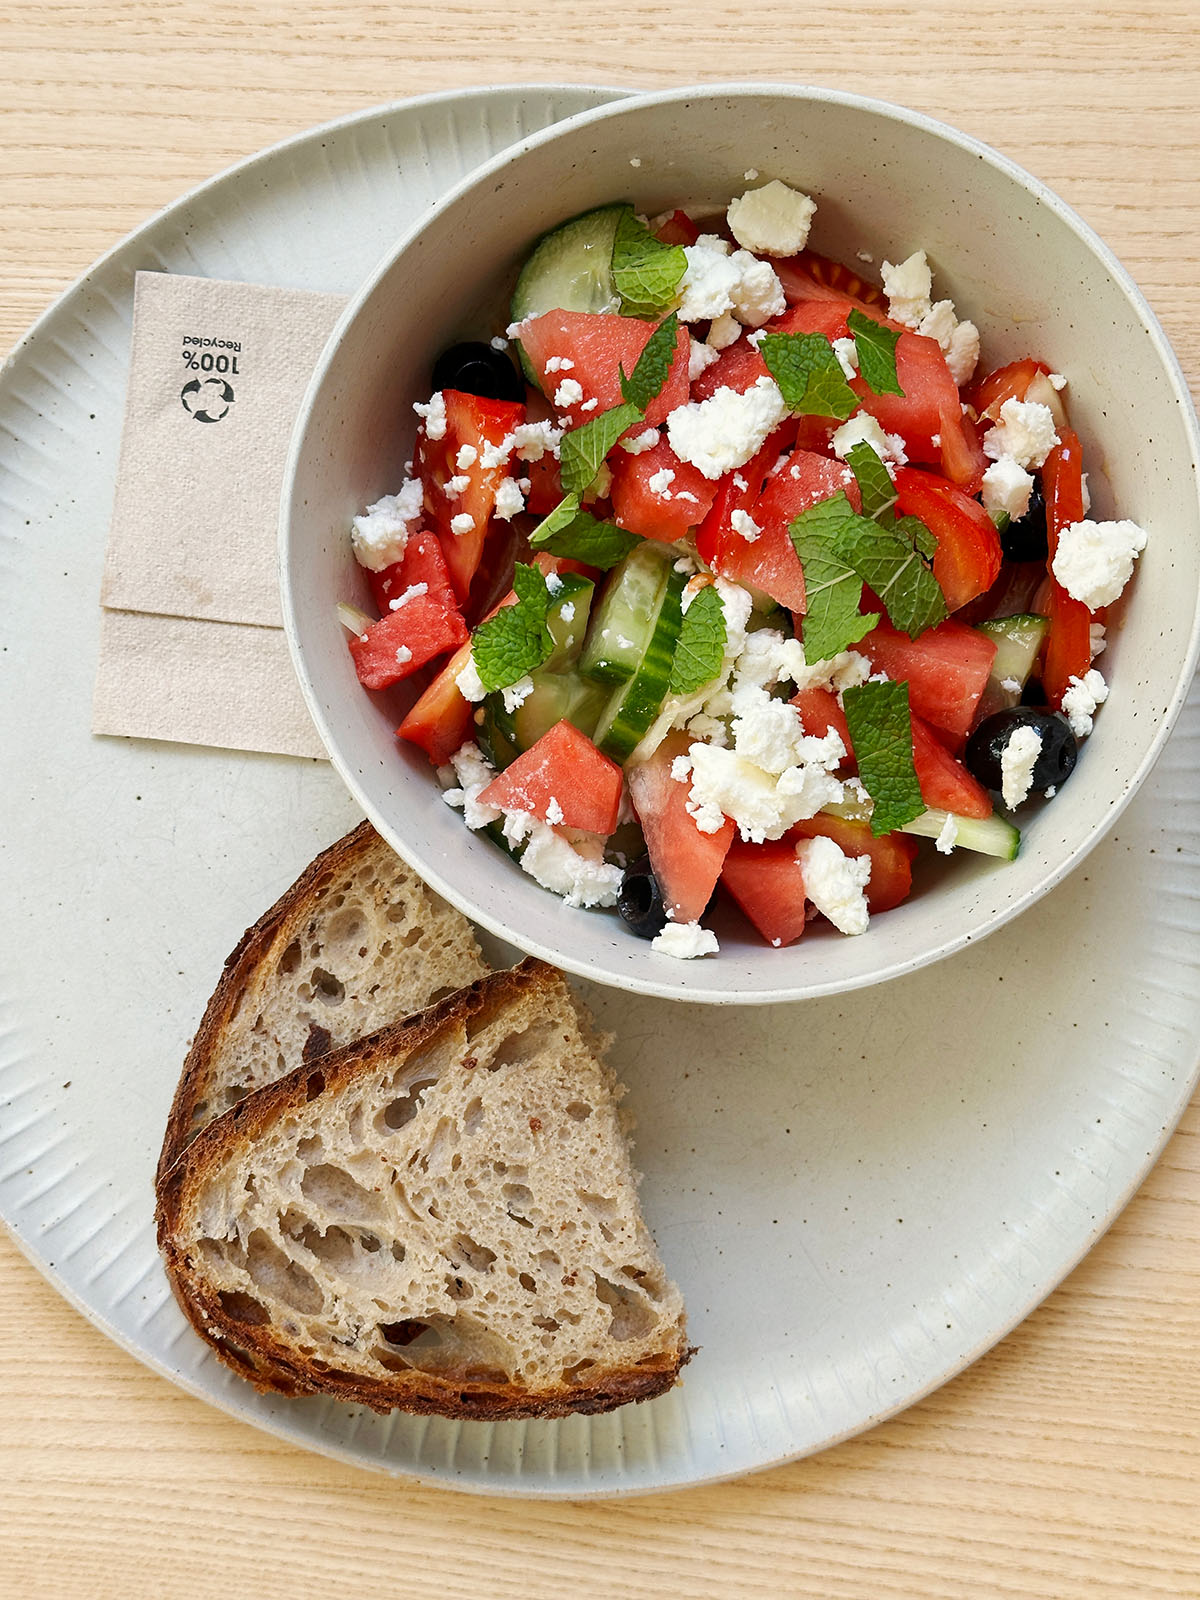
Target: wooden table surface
[{"x": 1066, "y": 1462}]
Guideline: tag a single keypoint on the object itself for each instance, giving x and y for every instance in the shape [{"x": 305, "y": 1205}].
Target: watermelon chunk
[
  {"x": 598, "y": 344},
  {"x": 946, "y": 669},
  {"x": 766, "y": 881},
  {"x": 770, "y": 562},
  {"x": 892, "y": 855},
  {"x": 946, "y": 785},
  {"x": 646, "y": 504},
  {"x": 561, "y": 779},
  {"x": 686, "y": 862}
]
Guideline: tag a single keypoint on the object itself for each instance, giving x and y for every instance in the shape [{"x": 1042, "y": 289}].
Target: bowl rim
[{"x": 690, "y": 987}]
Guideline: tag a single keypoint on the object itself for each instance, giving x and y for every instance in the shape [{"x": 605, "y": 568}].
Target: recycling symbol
[{"x": 207, "y": 399}]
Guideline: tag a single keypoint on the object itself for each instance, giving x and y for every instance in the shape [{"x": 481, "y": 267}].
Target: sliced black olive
[
  {"x": 1056, "y": 759},
  {"x": 640, "y": 901},
  {"x": 475, "y": 368},
  {"x": 1025, "y": 539}
]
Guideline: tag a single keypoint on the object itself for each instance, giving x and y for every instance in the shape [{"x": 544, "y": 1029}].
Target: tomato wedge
[
  {"x": 1068, "y": 652},
  {"x": 1004, "y": 383},
  {"x": 441, "y": 722},
  {"x": 809, "y": 276},
  {"x": 967, "y": 561},
  {"x": 475, "y": 423}
]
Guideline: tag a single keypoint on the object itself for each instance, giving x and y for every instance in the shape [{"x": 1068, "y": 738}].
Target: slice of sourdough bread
[
  {"x": 356, "y": 942},
  {"x": 440, "y": 1218}
]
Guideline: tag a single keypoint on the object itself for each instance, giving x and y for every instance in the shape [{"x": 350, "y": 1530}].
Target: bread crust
[{"x": 268, "y": 1362}]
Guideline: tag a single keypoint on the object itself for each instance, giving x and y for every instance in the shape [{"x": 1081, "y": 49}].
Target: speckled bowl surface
[{"x": 1011, "y": 255}]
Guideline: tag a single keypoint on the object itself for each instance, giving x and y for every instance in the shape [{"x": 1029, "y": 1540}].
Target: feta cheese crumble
[
  {"x": 862, "y": 428},
  {"x": 469, "y": 683},
  {"x": 724, "y": 331},
  {"x": 835, "y": 882},
  {"x": 568, "y": 393},
  {"x": 474, "y": 772},
  {"x": 433, "y": 415},
  {"x": 718, "y": 280},
  {"x": 1094, "y": 560},
  {"x": 466, "y": 457},
  {"x": 516, "y": 695},
  {"x": 509, "y": 500},
  {"x": 555, "y": 863},
  {"x": 772, "y": 221},
  {"x": 700, "y": 357},
  {"x": 559, "y": 364},
  {"x": 725, "y": 430},
  {"x": 660, "y": 482},
  {"x": 847, "y": 353},
  {"x": 413, "y": 592},
  {"x": 453, "y": 487},
  {"x": 1007, "y": 487},
  {"x": 379, "y": 537},
  {"x": 1017, "y": 761},
  {"x": 1082, "y": 697},
  {"x": 685, "y": 941},
  {"x": 948, "y": 838},
  {"x": 742, "y": 522},
  {"x": 1025, "y": 431},
  {"x": 908, "y": 286},
  {"x": 464, "y": 522},
  {"x": 641, "y": 442}
]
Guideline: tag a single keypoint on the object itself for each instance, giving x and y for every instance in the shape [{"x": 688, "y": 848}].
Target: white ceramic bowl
[{"x": 1009, "y": 253}]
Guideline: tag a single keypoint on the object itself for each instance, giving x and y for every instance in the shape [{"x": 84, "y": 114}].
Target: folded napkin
[{"x": 191, "y": 646}]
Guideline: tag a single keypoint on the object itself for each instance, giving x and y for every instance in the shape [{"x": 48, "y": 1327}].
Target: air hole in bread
[
  {"x": 327, "y": 988},
  {"x": 578, "y": 1373},
  {"x": 315, "y": 1085},
  {"x": 280, "y": 1277},
  {"x": 407, "y": 1333},
  {"x": 334, "y": 1247},
  {"x": 243, "y": 1308},
  {"x": 527, "y": 1282},
  {"x": 289, "y": 961},
  {"x": 369, "y": 1243},
  {"x": 632, "y": 1318},
  {"x": 517, "y": 1197},
  {"x": 472, "y": 1115},
  {"x": 458, "y": 1288},
  {"x": 476, "y": 1256},
  {"x": 398, "y": 1250},
  {"x": 515, "y": 1049},
  {"x": 549, "y": 1323},
  {"x": 311, "y": 1149},
  {"x": 404, "y": 1107},
  {"x": 334, "y": 1190},
  {"x": 398, "y": 911},
  {"x": 579, "y": 1110},
  {"x": 440, "y": 994},
  {"x": 348, "y": 929},
  {"x": 598, "y": 1204},
  {"x": 316, "y": 1044}
]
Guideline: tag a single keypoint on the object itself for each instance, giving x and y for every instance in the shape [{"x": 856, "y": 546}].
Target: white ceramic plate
[{"x": 890, "y": 1179}]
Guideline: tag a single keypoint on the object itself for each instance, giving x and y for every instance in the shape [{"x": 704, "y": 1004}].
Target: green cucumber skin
[
  {"x": 634, "y": 705},
  {"x": 568, "y": 269},
  {"x": 627, "y": 606},
  {"x": 1018, "y": 640},
  {"x": 580, "y": 593},
  {"x": 988, "y": 836}
]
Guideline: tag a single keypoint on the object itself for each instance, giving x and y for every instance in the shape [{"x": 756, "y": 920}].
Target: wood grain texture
[{"x": 1065, "y": 1463}]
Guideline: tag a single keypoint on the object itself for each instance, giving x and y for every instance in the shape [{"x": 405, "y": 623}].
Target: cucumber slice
[
  {"x": 990, "y": 836},
  {"x": 567, "y": 620},
  {"x": 569, "y": 269},
  {"x": 557, "y": 697},
  {"x": 634, "y": 704},
  {"x": 623, "y": 621},
  {"x": 1017, "y": 641},
  {"x": 495, "y": 734}
]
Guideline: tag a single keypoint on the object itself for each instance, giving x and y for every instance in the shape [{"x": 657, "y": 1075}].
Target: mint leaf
[
  {"x": 808, "y": 373},
  {"x": 877, "y": 489},
  {"x": 645, "y": 271},
  {"x": 583, "y": 449},
  {"x": 516, "y": 639},
  {"x": 917, "y": 534},
  {"x": 653, "y": 365},
  {"x": 568, "y": 531},
  {"x": 880, "y": 725},
  {"x": 876, "y": 348},
  {"x": 833, "y": 590},
  {"x": 887, "y": 561},
  {"x": 701, "y": 646}
]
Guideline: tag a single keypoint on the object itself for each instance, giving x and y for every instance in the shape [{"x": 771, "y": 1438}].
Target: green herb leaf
[
  {"x": 880, "y": 725},
  {"x": 516, "y": 639},
  {"x": 568, "y": 531},
  {"x": 876, "y": 348},
  {"x": 917, "y": 534},
  {"x": 701, "y": 646},
  {"x": 645, "y": 271},
  {"x": 877, "y": 489},
  {"x": 888, "y": 562},
  {"x": 833, "y": 590},
  {"x": 583, "y": 449},
  {"x": 808, "y": 373},
  {"x": 653, "y": 365}
]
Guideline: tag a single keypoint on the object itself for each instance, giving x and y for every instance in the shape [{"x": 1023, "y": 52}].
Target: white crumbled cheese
[
  {"x": 463, "y": 523},
  {"x": 499, "y": 343},
  {"x": 700, "y": 357},
  {"x": 772, "y": 221},
  {"x": 770, "y": 733},
  {"x": 742, "y": 522},
  {"x": 413, "y": 592},
  {"x": 1082, "y": 697},
  {"x": 568, "y": 611},
  {"x": 1025, "y": 432},
  {"x": 554, "y": 583},
  {"x": 509, "y": 500},
  {"x": 660, "y": 482},
  {"x": 948, "y": 838},
  {"x": 1017, "y": 761},
  {"x": 517, "y": 693},
  {"x": 403, "y": 655},
  {"x": 380, "y": 537},
  {"x": 685, "y": 941},
  {"x": 725, "y": 430},
  {"x": 554, "y": 813},
  {"x": 496, "y": 455},
  {"x": 433, "y": 415},
  {"x": 639, "y": 443},
  {"x": 557, "y": 865},
  {"x": 750, "y": 174},
  {"x": 939, "y": 322},
  {"x": 718, "y": 280},
  {"x": 466, "y": 457},
  {"x": 1094, "y": 560},
  {"x": 740, "y": 482},
  {"x": 724, "y": 331},
  {"x": 835, "y": 882},
  {"x": 1056, "y": 380},
  {"x": 1010, "y": 685},
  {"x": 568, "y": 393},
  {"x": 764, "y": 805},
  {"x": 681, "y": 769},
  {"x": 469, "y": 683},
  {"x": 962, "y": 355},
  {"x": 862, "y": 428},
  {"x": 559, "y": 364},
  {"x": 532, "y": 440},
  {"x": 1007, "y": 487},
  {"x": 1096, "y": 640},
  {"x": 474, "y": 772},
  {"x": 908, "y": 286},
  {"x": 847, "y": 353},
  {"x": 635, "y": 161},
  {"x": 589, "y": 405},
  {"x": 453, "y": 487}
]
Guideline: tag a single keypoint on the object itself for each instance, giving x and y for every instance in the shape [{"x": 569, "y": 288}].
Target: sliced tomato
[
  {"x": 657, "y": 509},
  {"x": 766, "y": 881},
  {"x": 946, "y": 669},
  {"x": 963, "y": 460},
  {"x": 598, "y": 345},
  {"x": 946, "y": 785},
  {"x": 474, "y": 422},
  {"x": 678, "y": 228},
  {"x": 1004, "y": 383},
  {"x": 561, "y": 779},
  {"x": 809, "y": 276},
  {"x": 441, "y": 721},
  {"x": 968, "y": 556},
  {"x": 821, "y": 711},
  {"x": 770, "y": 563},
  {"x": 736, "y": 491},
  {"x": 686, "y": 862},
  {"x": 1068, "y": 648},
  {"x": 892, "y": 855}
]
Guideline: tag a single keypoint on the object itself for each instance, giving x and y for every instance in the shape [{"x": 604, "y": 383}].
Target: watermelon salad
[{"x": 721, "y": 572}]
